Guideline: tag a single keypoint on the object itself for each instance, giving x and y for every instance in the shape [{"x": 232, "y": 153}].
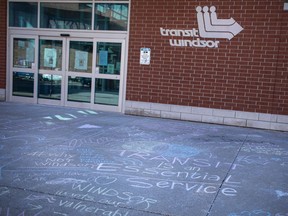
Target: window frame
[{"x": 93, "y": 2}]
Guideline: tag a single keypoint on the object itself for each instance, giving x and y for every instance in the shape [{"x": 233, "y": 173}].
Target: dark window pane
[
  {"x": 107, "y": 92},
  {"x": 23, "y": 53},
  {"x": 50, "y": 55},
  {"x": 23, "y": 84},
  {"x": 108, "y": 58},
  {"x": 23, "y": 14},
  {"x": 66, "y": 15},
  {"x": 111, "y": 17},
  {"x": 80, "y": 56},
  {"x": 79, "y": 89},
  {"x": 49, "y": 86}
]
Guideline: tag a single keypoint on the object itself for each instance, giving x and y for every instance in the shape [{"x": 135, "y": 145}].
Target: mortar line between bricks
[{"x": 222, "y": 183}]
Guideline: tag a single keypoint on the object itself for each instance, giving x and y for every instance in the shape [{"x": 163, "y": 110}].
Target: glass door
[
  {"x": 23, "y": 68},
  {"x": 51, "y": 71},
  {"x": 95, "y": 74},
  {"x": 79, "y": 72},
  {"x": 68, "y": 71},
  {"x": 65, "y": 71},
  {"x": 108, "y": 90}
]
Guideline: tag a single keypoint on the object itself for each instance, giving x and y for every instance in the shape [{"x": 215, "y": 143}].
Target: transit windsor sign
[{"x": 209, "y": 27}]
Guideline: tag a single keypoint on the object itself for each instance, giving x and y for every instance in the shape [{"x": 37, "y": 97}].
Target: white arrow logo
[{"x": 212, "y": 27}]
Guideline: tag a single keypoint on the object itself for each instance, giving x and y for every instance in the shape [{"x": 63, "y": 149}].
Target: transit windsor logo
[{"x": 209, "y": 27}]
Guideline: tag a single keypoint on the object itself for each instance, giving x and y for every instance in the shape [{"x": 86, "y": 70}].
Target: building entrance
[{"x": 68, "y": 71}]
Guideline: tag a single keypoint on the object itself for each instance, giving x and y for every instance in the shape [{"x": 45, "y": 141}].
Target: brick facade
[
  {"x": 243, "y": 82},
  {"x": 3, "y": 12},
  {"x": 247, "y": 73}
]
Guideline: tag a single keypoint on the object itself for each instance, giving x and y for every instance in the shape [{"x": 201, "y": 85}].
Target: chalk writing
[
  {"x": 7, "y": 212},
  {"x": 189, "y": 161},
  {"x": 59, "y": 213},
  {"x": 258, "y": 212},
  {"x": 164, "y": 172},
  {"x": 23, "y": 139},
  {"x": 99, "y": 166},
  {"x": 4, "y": 191},
  {"x": 64, "y": 181},
  {"x": 124, "y": 197},
  {"x": 281, "y": 194},
  {"x": 146, "y": 183},
  {"x": 252, "y": 213},
  {"x": 68, "y": 116},
  {"x": 265, "y": 148},
  {"x": 8, "y": 160},
  {"x": 88, "y": 155},
  {"x": 262, "y": 160},
  {"x": 82, "y": 207},
  {"x": 253, "y": 159},
  {"x": 35, "y": 207},
  {"x": 49, "y": 198},
  {"x": 20, "y": 126},
  {"x": 103, "y": 180},
  {"x": 89, "y": 140},
  {"x": 165, "y": 149},
  {"x": 50, "y": 154}
]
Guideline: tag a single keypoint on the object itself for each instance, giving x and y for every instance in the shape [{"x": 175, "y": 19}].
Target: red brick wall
[
  {"x": 247, "y": 73},
  {"x": 3, "y": 12},
  {"x": 281, "y": 71}
]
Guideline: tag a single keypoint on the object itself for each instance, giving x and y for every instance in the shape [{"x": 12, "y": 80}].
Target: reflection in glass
[
  {"x": 107, "y": 92},
  {"x": 66, "y": 15},
  {"x": 79, "y": 89},
  {"x": 23, "y": 52},
  {"x": 50, "y": 54},
  {"x": 23, "y": 14},
  {"x": 49, "y": 86},
  {"x": 23, "y": 84},
  {"x": 109, "y": 58},
  {"x": 80, "y": 56},
  {"x": 111, "y": 16}
]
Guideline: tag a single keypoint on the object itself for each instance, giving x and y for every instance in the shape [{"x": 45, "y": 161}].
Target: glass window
[
  {"x": 107, "y": 92},
  {"x": 50, "y": 52},
  {"x": 111, "y": 16},
  {"x": 108, "y": 58},
  {"x": 79, "y": 89},
  {"x": 80, "y": 56},
  {"x": 23, "y": 84},
  {"x": 49, "y": 86},
  {"x": 23, "y": 14},
  {"x": 23, "y": 52},
  {"x": 66, "y": 15}
]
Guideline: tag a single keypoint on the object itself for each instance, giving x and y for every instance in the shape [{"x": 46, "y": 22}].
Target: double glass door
[
  {"x": 78, "y": 72},
  {"x": 65, "y": 70}
]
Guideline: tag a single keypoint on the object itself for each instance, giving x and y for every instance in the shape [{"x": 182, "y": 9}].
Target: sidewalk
[{"x": 67, "y": 161}]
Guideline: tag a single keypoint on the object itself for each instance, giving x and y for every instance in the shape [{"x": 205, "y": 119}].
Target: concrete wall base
[
  {"x": 2, "y": 94},
  {"x": 208, "y": 115}
]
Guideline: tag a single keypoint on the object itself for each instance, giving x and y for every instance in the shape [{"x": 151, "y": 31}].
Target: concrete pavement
[{"x": 67, "y": 161}]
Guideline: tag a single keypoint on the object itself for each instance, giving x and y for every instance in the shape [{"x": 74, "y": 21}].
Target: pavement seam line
[{"x": 230, "y": 168}]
